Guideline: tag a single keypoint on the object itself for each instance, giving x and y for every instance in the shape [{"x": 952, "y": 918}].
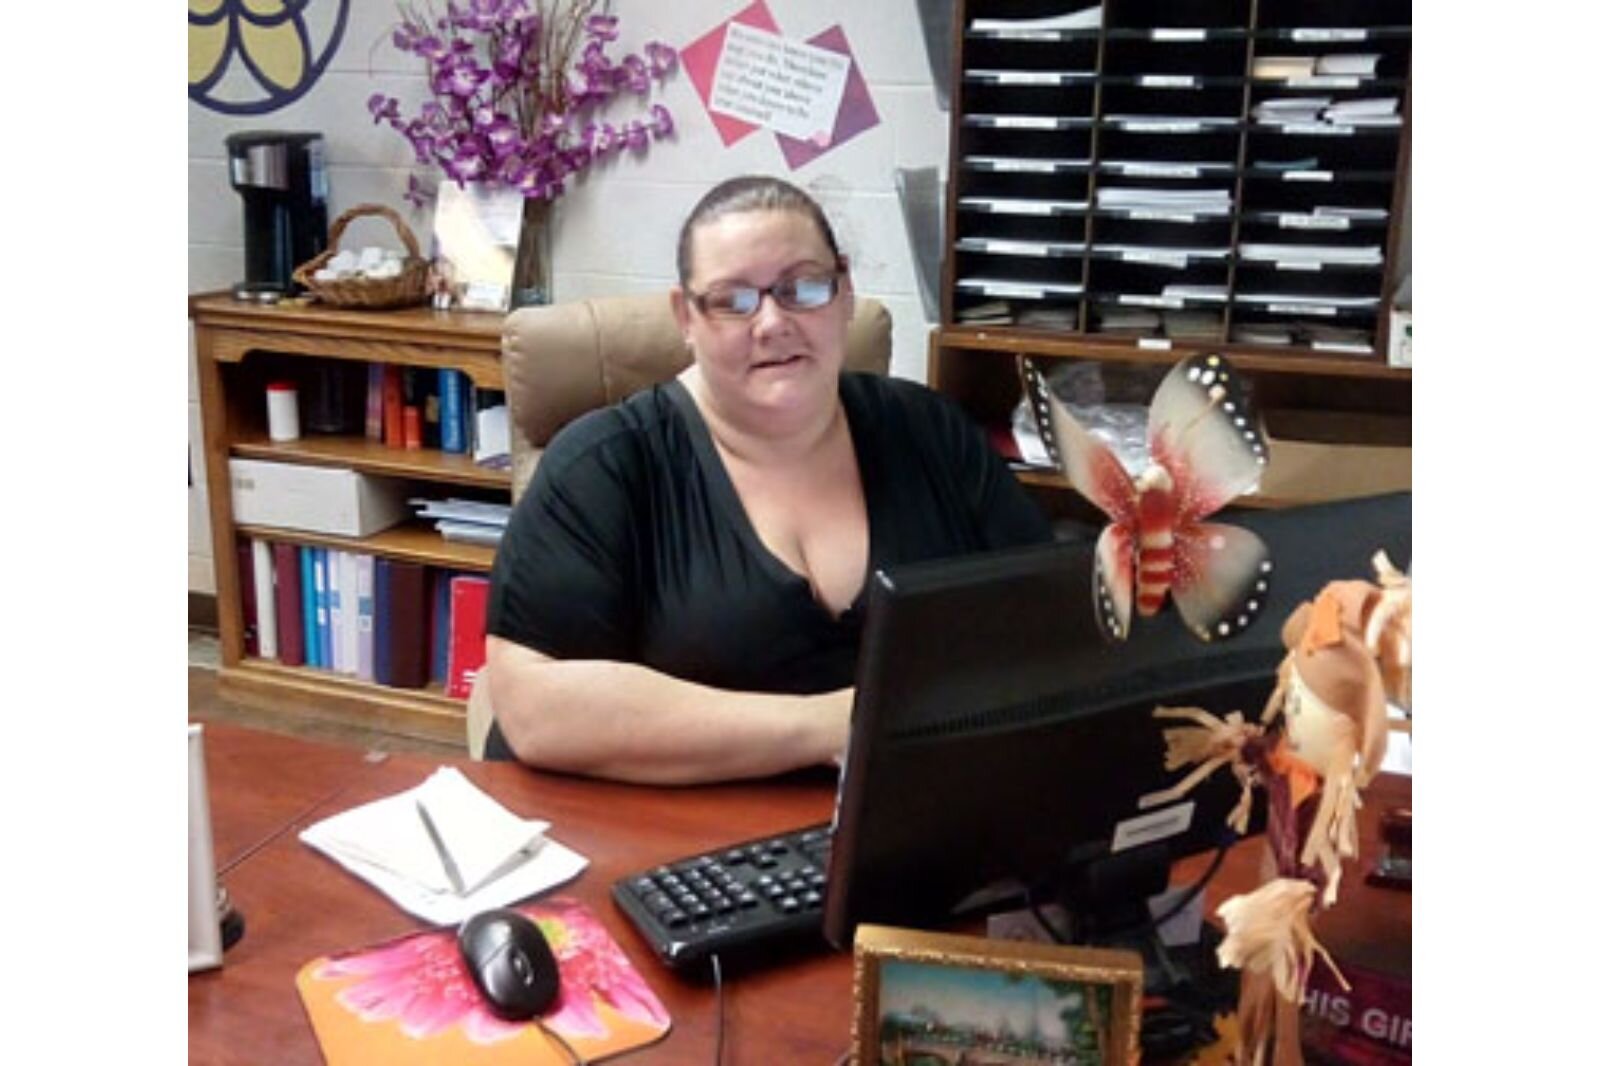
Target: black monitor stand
[{"x": 1185, "y": 987}]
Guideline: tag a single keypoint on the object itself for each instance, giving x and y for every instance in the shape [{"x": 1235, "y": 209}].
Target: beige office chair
[{"x": 566, "y": 359}]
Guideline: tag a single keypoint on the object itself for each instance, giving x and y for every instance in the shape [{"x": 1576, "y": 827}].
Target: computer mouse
[{"x": 511, "y": 963}]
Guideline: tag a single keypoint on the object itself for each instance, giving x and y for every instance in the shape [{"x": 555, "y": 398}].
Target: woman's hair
[{"x": 751, "y": 193}]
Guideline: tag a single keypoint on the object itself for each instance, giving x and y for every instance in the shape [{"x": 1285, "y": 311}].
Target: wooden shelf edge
[
  {"x": 426, "y": 714},
  {"x": 409, "y": 543},
  {"x": 1018, "y": 341},
  {"x": 425, "y": 464}
]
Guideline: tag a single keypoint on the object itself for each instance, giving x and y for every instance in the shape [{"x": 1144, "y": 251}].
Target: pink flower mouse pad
[{"x": 411, "y": 1000}]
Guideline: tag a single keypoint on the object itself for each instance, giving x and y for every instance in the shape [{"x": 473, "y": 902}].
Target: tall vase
[{"x": 531, "y": 271}]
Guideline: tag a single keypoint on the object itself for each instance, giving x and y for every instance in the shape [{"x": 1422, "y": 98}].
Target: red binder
[
  {"x": 469, "y": 607},
  {"x": 291, "y": 615}
]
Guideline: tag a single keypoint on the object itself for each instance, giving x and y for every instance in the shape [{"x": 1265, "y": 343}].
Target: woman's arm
[{"x": 629, "y": 722}]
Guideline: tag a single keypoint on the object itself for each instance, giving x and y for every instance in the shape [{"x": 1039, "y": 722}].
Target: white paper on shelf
[
  {"x": 1021, "y": 207},
  {"x": 1082, "y": 18},
  {"x": 1024, "y": 164},
  {"x": 1361, "y": 64},
  {"x": 479, "y": 511},
  {"x": 999, "y": 246},
  {"x": 1029, "y": 77},
  {"x": 1325, "y": 34},
  {"x": 1036, "y": 290}
]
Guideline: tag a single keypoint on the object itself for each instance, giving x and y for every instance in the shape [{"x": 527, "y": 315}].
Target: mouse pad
[{"x": 411, "y": 1000}]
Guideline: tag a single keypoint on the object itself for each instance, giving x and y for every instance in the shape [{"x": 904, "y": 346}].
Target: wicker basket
[{"x": 407, "y": 289}]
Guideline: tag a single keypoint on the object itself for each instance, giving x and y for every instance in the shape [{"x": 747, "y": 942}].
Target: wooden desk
[{"x": 299, "y": 905}]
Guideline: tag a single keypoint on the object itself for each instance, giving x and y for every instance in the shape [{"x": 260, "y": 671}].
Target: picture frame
[{"x": 1013, "y": 1001}]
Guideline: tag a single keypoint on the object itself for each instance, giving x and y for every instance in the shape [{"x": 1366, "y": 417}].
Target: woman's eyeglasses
[{"x": 804, "y": 292}]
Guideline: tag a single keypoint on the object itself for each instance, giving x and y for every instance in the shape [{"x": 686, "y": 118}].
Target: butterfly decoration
[{"x": 1206, "y": 447}]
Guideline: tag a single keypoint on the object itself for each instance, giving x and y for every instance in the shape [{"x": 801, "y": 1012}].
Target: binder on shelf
[
  {"x": 349, "y": 625},
  {"x": 451, "y": 436},
  {"x": 320, "y": 579},
  {"x": 291, "y": 616},
  {"x": 393, "y": 408},
  {"x": 469, "y": 604},
  {"x": 266, "y": 601},
  {"x": 308, "y": 605},
  {"x": 365, "y": 639},
  {"x": 382, "y": 606},
  {"x": 335, "y": 642},
  {"x": 374, "y": 424},
  {"x": 406, "y": 618},
  {"x": 245, "y": 562},
  {"x": 439, "y": 626}
]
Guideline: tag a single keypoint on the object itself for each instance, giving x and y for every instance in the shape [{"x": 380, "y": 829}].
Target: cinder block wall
[{"x": 616, "y": 228}]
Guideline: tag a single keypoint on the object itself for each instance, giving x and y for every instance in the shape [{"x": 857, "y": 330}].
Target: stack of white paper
[
  {"x": 1187, "y": 201},
  {"x": 1365, "y": 112},
  {"x": 1083, "y": 18},
  {"x": 467, "y": 521},
  {"x": 1290, "y": 109},
  {"x": 1348, "y": 255},
  {"x": 497, "y": 858},
  {"x": 1360, "y": 64}
]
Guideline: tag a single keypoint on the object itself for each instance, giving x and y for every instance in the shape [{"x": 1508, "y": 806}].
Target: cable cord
[
  {"x": 561, "y": 1042},
  {"x": 1156, "y": 921},
  {"x": 716, "y": 976}
]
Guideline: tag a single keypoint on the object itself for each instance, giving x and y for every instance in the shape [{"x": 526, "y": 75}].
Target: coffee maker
[{"x": 284, "y": 183}]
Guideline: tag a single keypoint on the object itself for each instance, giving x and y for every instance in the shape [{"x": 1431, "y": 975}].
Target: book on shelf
[
  {"x": 469, "y": 604},
  {"x": 266, "y": 600},
  {"x": 244, "y": 561},
  {"x": 335, "y": 643},
  {"x": 393, "y": 407},
  {"x": 439, "y": 626},
  {"x": 324, "y": 631},
  {"x": 430, "y": 410},
  {"x": 400, "y": 628},
  {"x": 308, "y": 605},
  {"x": 350, "y": 624},
  {"x": 374, "y": 423},
  {"x": 411, "y": 407},
  {"x": 365, "y": 618},
  {"x": 451, "y": 388},
  {"x": 291, "y": 615}
]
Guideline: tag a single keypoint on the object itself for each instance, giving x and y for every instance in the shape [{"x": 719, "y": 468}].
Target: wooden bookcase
[
  {"x": 238, "y": 347},
  {"x": 1283, "y": 257}
]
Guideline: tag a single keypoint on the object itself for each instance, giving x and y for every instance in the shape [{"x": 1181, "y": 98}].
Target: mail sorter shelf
[
  {"x": 1176, "y": 191},
  {"x": 238, "y": 348}
]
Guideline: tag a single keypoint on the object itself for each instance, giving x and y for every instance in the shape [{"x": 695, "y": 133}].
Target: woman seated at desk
[{"x": 679, "y": 594}]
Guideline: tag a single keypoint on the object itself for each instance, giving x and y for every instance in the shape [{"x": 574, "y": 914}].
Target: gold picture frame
[{"x": 1013, "y": 1001}]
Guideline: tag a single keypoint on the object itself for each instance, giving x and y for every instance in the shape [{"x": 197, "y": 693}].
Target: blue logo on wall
[{"x": 249, "y": 57}]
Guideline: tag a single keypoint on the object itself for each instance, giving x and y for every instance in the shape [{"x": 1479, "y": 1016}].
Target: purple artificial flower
[
  {"x": 634, "y": 73},
  {"x": 510, "y": 92},
  {"x": 660, "y": 121},
  {"x": 383, "y": 108},
  {"x": 460, "y": 77},
  {"x": 661, "y": 58}
]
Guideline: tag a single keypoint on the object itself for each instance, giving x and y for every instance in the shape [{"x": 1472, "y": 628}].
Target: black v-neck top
[{"x": 631, "y": 543}]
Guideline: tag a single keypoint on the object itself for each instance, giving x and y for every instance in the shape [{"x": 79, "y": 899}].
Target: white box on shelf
[
  {"x": 1399, "y": 338},
  {"x": 314, "y": 499}
]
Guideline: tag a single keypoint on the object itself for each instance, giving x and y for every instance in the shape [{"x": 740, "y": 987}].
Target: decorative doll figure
[{"x": 1349, "y": 652}]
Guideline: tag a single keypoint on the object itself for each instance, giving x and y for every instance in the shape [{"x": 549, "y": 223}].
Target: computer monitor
[{"x": 997, "y": 736}]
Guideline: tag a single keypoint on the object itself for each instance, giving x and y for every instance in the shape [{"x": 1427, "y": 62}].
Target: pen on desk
[{"x": 450, "y": 869}]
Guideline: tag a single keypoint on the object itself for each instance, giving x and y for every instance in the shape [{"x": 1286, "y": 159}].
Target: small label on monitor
[{"x": 1149, "y": 828}]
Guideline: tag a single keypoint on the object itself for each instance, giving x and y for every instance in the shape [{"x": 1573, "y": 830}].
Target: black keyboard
[{"x": 727, "y": 901}]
